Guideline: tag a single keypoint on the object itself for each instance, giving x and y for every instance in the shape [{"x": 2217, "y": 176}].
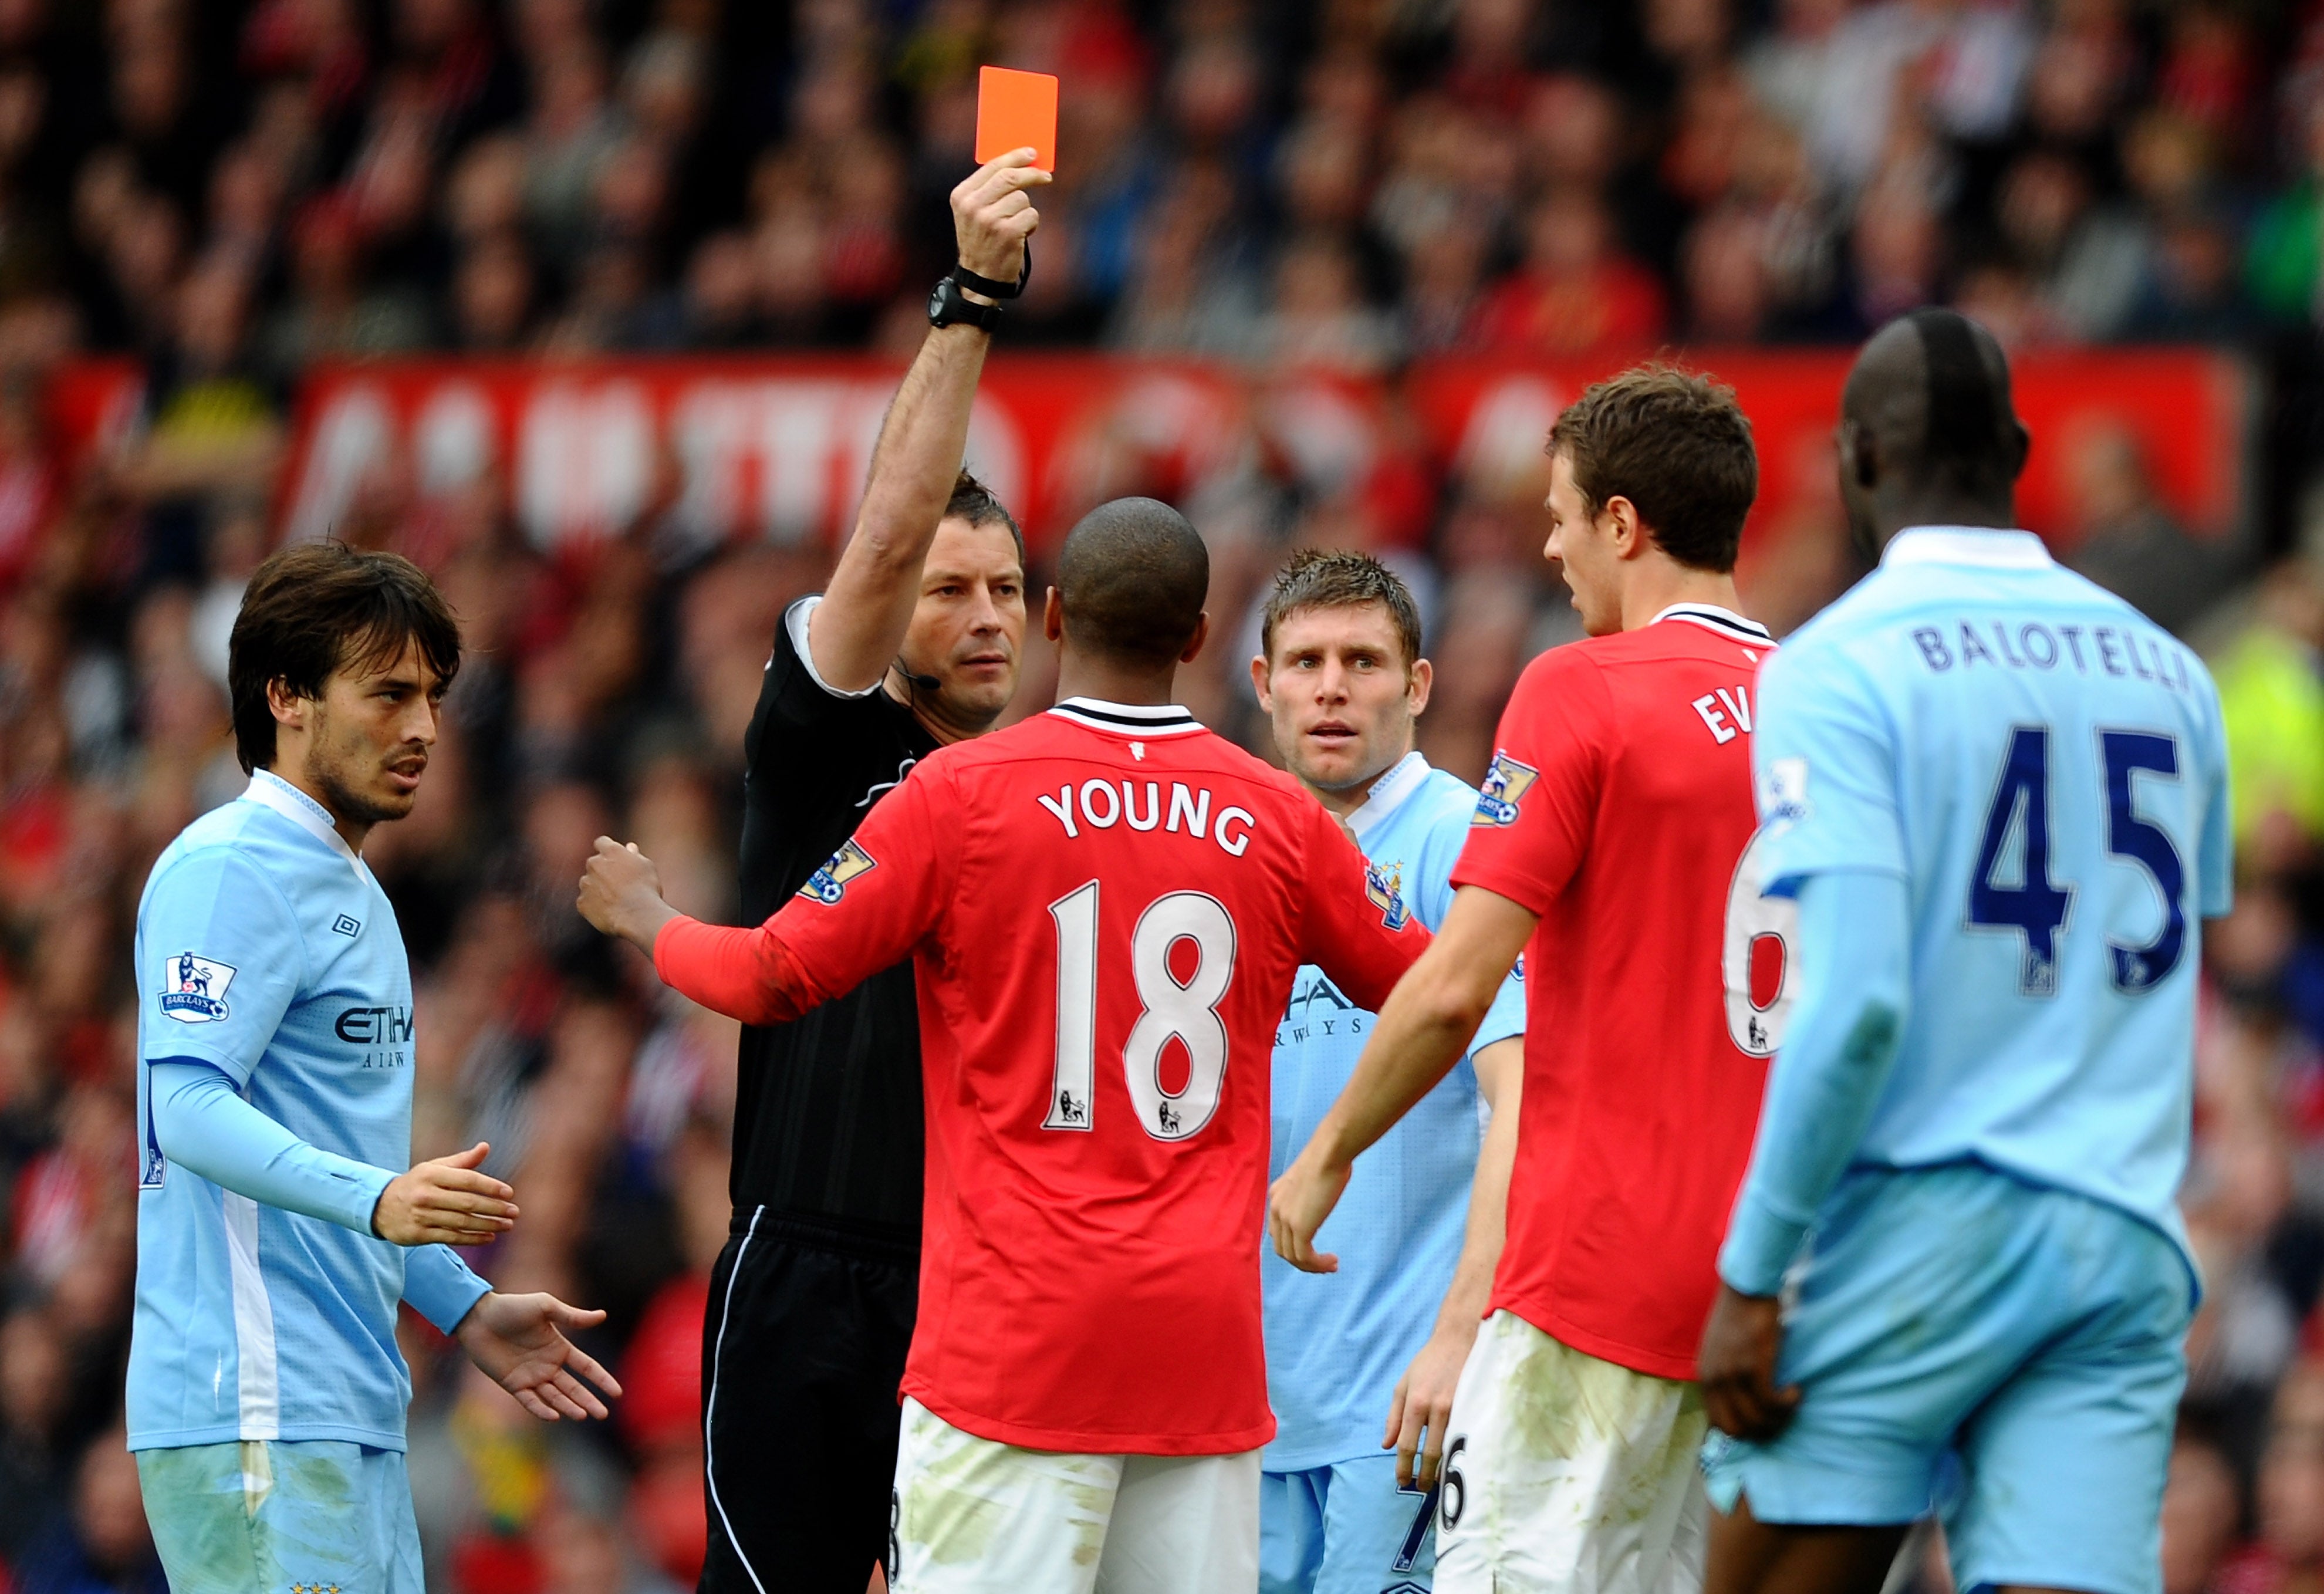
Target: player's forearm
[
  {"x": 205, "y": 1127},
  {"x": 1855, "y": 957},
  {"x": 855, "y": 632},
  {"x": 745, "y": 974},
  {"x": 1488, "y": 1227},
  {"x": 441, "y": 1287}
]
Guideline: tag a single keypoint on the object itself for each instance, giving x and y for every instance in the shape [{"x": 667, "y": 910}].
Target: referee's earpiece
[{"x": 924, "y": 683}]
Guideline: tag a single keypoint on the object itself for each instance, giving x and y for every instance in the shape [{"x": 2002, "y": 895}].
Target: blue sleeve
[
  {"x": 206, "y": 1128},
  {"x": 1855, "y": 948},
  {"x": 1825, "y": 771},
  {"x": 1434, "y": 894},
  {"x": 223, "y": 960},
  {"x": 440, "y": 1287},
  {"x": 1507, "y": 1016},
  {"x": 2216, "y": 869}
]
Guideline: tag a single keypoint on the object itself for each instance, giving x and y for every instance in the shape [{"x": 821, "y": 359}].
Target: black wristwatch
[{"x": 948, "y": 306}]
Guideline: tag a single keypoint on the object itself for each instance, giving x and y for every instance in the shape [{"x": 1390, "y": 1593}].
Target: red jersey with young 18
[
  {"x": 1618, "y": 808},
  {"x": 1106, "y": 906}
]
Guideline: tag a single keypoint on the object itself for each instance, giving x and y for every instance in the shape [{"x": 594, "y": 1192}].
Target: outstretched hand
[
  {"x": 620, "y": 894},
  {"x": 993, "y": 215},
  {"x": 520, "y": 1341},
  {"x": 1422, "y": 1406},
  {"x": 446, "y": 1201}
]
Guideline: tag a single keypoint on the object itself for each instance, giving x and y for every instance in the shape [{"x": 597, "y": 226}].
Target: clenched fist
[
  {"x": 993, "y": 215},
  {"x": 620, "y": 894}
]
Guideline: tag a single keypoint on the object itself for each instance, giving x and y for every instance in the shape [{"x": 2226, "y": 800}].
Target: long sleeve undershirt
[
  {"x": 204, "y": 1126},
  {"x": 1855, "y": 952},
  {"x": 745, "y": 973}
]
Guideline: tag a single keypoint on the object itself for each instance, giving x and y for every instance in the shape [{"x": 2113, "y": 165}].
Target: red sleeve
[
  {"x": 1540, "y": 795},
  {"x": 745, "y": 974},
  {"x": 1354, "y": 928},
  {"x": 862, "y": 911}
]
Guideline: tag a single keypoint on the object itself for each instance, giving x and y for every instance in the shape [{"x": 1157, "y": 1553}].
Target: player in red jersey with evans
[
  {"x": 1106, "y": 906},
  {"x": 1611, "y": 846}
]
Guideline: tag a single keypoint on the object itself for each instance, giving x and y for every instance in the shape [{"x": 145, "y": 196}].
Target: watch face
[{"x": 935, "y": 301}]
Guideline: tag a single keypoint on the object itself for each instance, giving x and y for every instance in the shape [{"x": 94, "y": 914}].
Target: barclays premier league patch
[
  {"x": 1506, "y": 784},
  {"x": 828, "y": 884},
  {"x": 1783, "y": 792},
  {"x": 193, "y": 988},
  {"x": 1385, "y": 892}
]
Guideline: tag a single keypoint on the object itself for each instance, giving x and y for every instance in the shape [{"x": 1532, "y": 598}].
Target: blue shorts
[
  {"x": 260, "y": 1516},
  {"x": 1345, "y": 1529},
  {"x": 2005, "y": 1354}
]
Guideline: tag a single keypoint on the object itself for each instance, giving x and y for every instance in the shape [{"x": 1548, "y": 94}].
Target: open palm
[{"x": 520, "y": 1341}]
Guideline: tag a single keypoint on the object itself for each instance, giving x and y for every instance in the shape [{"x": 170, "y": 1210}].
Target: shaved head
[
  {"x": 1132, "y": 577},
  {"x": 1927, "y": 432}
]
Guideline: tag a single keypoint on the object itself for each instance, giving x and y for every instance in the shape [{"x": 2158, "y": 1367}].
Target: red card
[{"x": 1013, "y": 110}]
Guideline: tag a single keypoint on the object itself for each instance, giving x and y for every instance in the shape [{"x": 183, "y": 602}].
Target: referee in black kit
[{"x": 913, "y": 644}]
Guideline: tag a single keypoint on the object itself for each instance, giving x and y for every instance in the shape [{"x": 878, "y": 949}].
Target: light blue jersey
[
  {"x": 1336, "y": 1344},
  {"x": 266, "y": 950},
  {"x": 2045, "y": 769}
]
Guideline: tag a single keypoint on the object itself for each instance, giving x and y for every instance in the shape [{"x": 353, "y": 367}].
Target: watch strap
[{"x": 987, "y": 286}]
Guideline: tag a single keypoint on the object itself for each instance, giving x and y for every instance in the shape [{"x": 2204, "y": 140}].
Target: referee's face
[{"x": 968, "y": 629}]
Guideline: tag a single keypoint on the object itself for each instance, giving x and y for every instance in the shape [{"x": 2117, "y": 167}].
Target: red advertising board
[{"x": 716, "y": 448}]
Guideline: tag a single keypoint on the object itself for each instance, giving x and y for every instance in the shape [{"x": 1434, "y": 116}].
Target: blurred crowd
[{"x": 229, "y": 191}]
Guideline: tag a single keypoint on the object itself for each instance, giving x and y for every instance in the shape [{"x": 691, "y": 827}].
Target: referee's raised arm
[{"x": 855, "y": 632}]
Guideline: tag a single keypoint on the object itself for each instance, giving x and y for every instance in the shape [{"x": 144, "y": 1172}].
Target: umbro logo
[{"x": 345, "y": 925}]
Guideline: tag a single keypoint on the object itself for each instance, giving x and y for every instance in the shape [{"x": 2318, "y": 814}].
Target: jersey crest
[
  {"x": 1506, "y": 784},
  {"x": 828, "y": 884},
  {"x": 1387, "y": 894},
  {"x": 193, "y": 988}
]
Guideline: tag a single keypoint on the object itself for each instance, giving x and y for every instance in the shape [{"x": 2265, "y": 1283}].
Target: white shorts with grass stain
[
  {"x": 976, "y": 1517},
  {"x": 1564, "y": 1474}
]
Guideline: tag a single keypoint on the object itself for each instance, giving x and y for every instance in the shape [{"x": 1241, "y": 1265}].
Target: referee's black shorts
[{"x": 802, "y": 1349}]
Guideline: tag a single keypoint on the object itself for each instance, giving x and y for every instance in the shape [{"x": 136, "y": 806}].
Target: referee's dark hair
[
  {"x": 1678, "y": 447},
  {"x": 1132, "y": 577},
  {"x": 321, "y": 607},
  {"x": 973, "y": 502}
]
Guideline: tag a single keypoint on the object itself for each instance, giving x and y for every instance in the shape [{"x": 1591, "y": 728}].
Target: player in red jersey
[
  {"x": 1105, "y": 905},
  {"x": 1612, "y": 832}
]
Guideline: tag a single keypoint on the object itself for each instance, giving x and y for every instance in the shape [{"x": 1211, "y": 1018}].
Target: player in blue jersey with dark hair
[
  {"x": 1999, "y": 795},
  {"x": 275, "y": 1235},
  {"x": 1342, "y": 679}
]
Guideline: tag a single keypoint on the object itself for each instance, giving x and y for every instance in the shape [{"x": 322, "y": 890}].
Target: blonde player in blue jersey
[
  {"x": 2000, "y": 795},
  {"x": 1341, "y": 678},
  {"x": 274, "y": 1234}
]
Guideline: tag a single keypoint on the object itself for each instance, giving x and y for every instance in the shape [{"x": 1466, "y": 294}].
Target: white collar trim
[
  {"x": 1127, "y": 719},
  {"x": 1725, "y": 621},
  {"x": 1385, "y": 795},
  {"x": 1984, "y": 546},
  {"x": 270, "y": 791}
]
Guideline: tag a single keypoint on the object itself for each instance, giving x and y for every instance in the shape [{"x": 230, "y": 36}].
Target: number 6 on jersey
[{"x": 1168, "y": 1008}]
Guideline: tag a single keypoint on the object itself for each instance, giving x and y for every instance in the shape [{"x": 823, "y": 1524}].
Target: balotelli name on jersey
[{"x": 1105, "y": 906}]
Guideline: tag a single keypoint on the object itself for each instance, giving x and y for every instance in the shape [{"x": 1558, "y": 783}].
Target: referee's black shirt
[{"x": 827, "y": 1109}]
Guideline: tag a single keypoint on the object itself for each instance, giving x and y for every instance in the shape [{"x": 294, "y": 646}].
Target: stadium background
[{"x": 591, "y": 305}]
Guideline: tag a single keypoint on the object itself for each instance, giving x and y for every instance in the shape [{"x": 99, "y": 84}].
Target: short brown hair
[
  {"x": 1678, "y": 447},
  {"x": 321, "y": 607},
  {"x": 1340, "y": 578},
  {"x": 973, "y": 502}
]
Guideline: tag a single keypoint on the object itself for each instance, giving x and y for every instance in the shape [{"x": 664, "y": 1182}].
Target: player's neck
[
  {"x": 1347, "y": 799},
  {"x": 1942, "y": 509},
  {"x": 1082, "y": 674},
  {"x": 1657, "y": 582},
  {"x": 292, "y": 772}
]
